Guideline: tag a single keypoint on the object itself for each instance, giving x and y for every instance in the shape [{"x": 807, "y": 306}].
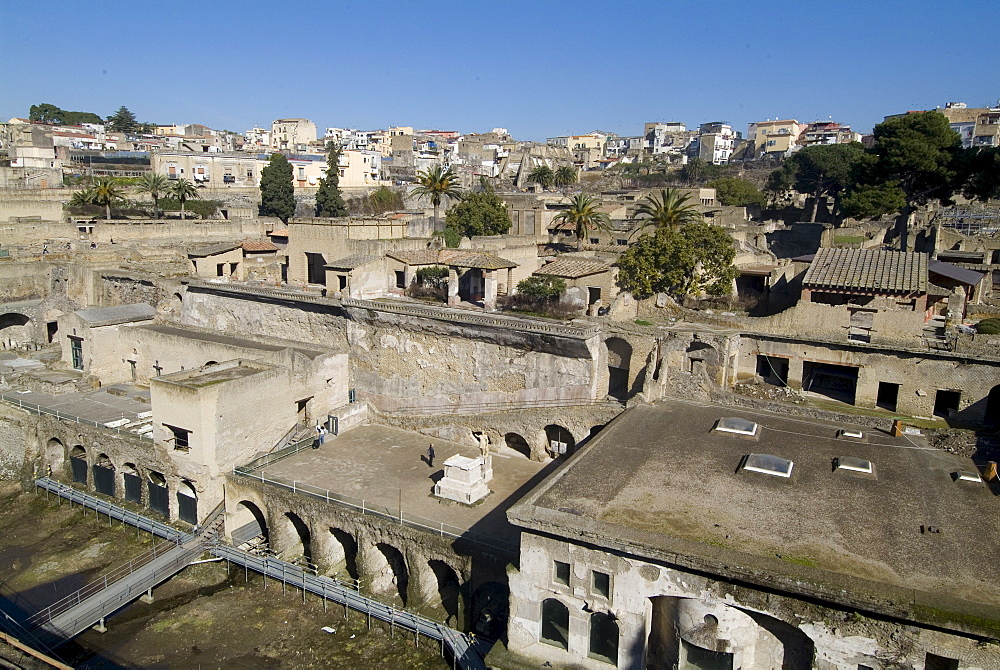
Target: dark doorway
[
  {"x": 838, "y": 382},
  {"x": 51, "y": 328},
  {"x": 604, "y": 637},
  {"x": 888, "y": 396},
  {"x": 471, "y": 285},
  {"x": 187, "y": 503},
  {"x": 555, "y": 623},
  {"x": 76, "y": 349},
  {"x": 619, "y": 360},
  {"x": 133, "y": 483},
  {"x": 705, "y": 659},
  {"x": 773, "y": 369},
  {"x": 78, "y": 464},
  {"x": 159, "y": 499},
  {"x": 992, "y": 418},
  {"x": 593, "y": 294},
  {"x": 104, "y": 476},
  {"x": 935, "y": 662},
  {"x": 315, "y": 268},
  {"x": 946, "y": 403},
  {"x": 400, "y": 279}
]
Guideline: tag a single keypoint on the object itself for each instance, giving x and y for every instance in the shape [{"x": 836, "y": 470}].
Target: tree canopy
[
  {"x": 155, "y": 185},
  {"x": 694, "y": 258},
  {"x": 329, "y": 200},
  {"x": 479, "y": 213},
  {"x": 277, "y": 194},
  {"x": 46, "y": 113},
  {"x": 183, "y": 190},
  {"x": 736, "y": 192},
  {"x": 671, "y": 209},
  {"x": 542, "y": 287},
  {"x": 584, "y": 214},
  {"x": 564, "y": 175},
  {"x": 123, "y": 121},
  {"x": 542, "y": 175},
  {"x": 437, "y": 184},
  {"x": 819, "y": 170}
]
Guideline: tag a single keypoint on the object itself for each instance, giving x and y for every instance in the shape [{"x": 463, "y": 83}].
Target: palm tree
[
  {"x": 542, "y": 175},
  {"x": 564, "y": 176},
  {"x": 584, "y": 214},
  {"x": 668, "y": 212},
  {"x": 105, "y": 192},
  {"x": 183, "y": 190},
  {"x": 83, "y": 197},
  {"x": 437, "y": 183},
  {"x": 155, "y": 185}
]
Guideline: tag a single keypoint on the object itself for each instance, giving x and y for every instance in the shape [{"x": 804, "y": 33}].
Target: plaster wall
[{"x": 760, "y": 630}]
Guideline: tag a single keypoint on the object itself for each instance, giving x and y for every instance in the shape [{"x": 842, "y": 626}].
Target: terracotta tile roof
[
  {"x": 871, "y": 270},
  {"x": 205, "y": 250},
  {"x": 457, "y": 257},
  {"x": 279, "y": 233},
  {"x": 352, "y": 261},
  {"x": 418, "y": 257},
  {"x": 572, "y": 268},
  {"x": 259, "y": 246}
]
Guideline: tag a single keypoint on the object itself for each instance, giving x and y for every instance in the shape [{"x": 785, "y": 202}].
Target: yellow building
[{"x": 774, "y": 137}]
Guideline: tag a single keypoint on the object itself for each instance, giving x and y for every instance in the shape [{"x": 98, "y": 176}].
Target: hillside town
[{"x": 698, "y": 397}]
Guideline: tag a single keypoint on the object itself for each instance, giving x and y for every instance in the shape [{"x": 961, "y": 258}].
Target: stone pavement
[
  {"x": 378, "y": 464},
  {"x": 99, "y": 406}
]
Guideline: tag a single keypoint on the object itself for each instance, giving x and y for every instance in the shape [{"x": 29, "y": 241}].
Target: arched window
[
  {"x": 603, "y": 637},
  {"x": 555, "y": 623}
]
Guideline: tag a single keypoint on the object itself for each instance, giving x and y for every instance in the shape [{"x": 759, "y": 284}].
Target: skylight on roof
[
  {"x": 967, "y": 476},
  {"x": 854, "y": 464},
  {"x": 732, "y": 424},
  {"x": 852, "y": 433},
  {"x": 768, "y": 465}
]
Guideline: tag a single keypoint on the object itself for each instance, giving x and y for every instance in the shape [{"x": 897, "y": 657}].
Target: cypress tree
[
  {"x": 277, "y": 195},
  {"x": 329, "y": 201}
]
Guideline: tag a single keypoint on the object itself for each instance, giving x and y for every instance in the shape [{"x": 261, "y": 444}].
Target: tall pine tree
[
  {"x": 329, "y": 201},
  {"x": 277, "y": 195}
]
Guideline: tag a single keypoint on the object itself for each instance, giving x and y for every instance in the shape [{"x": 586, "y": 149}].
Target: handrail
[
  {"x": 396, "y": 516},
  {"x": 275, "y": 456},
  {"x": 40, "y": 410}
]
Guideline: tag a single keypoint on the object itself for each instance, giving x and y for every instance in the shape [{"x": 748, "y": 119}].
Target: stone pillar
[
  {"x": 489, "y": 290},
  {"x": 452, "y": 286}
]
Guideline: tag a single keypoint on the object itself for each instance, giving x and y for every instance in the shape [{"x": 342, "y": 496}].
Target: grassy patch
[
  {"x": 641, "y": 322},
  {"x": 848, "y": 239},
  {"x": 799, "y": 560}
]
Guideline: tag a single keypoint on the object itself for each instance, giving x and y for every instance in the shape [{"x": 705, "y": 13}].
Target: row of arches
[
  {"x": 100, "y": 474},
  {"x": 554, "y": 441},
  {"x": 402, "y": 577}
]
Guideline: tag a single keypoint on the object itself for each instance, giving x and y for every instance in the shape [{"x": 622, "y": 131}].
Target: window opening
[
  {"x": 602, "y": 583},
  {"x": 560, "y": 572}
]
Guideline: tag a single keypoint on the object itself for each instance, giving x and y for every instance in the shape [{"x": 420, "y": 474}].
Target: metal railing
[
  {"x": 40, "y": 410},
  {"x": 461, "y": 647},
  {"x": 278, "y": 454},
  {"x": 41, "y": 617},
  {"x": 396, "y": 516}
]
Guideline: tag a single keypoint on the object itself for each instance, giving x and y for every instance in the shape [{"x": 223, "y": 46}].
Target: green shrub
[
  {"x": 989, "y": 326},
  {"x": 203, "y": 208},
  {"x": 541, "y": 286},
  {"x": 434, "y": 275}
]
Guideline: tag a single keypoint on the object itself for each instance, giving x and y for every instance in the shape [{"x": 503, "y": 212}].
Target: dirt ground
[{"x": 201, "y": 618}]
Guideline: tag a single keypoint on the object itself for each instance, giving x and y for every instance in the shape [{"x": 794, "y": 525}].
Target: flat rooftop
[
  {"x": 102, "y": 406},
  {"x": 272, "y": 344},
  {"x": 660, "y": 482},
  {"x": 383, "y": 465},
  {"x": 214, "y": 374}
]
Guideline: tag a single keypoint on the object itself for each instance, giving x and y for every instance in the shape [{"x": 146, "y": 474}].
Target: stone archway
[
  {"x": 187, "y": 502},
  {"x": 132, "y": 483},
  {"x": 15, "y": 329},
  {"x": 445, "y": 591},
  {"x": 55, "y": 454},
  {"x": 292, "y": 538},
  {"x": 387, "y": 572},
  {"x": 516, "y": 443},
  {"x": 344, "y": 555},
  {"x": 249, "y": 525},
  {"x": 559, "y": 441}
]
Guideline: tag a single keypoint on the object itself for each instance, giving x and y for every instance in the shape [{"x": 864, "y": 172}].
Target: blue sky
[{"x": 537, "y": 68}]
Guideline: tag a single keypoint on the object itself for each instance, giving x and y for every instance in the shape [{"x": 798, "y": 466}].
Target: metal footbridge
[{"x": 75, "y": 613}]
